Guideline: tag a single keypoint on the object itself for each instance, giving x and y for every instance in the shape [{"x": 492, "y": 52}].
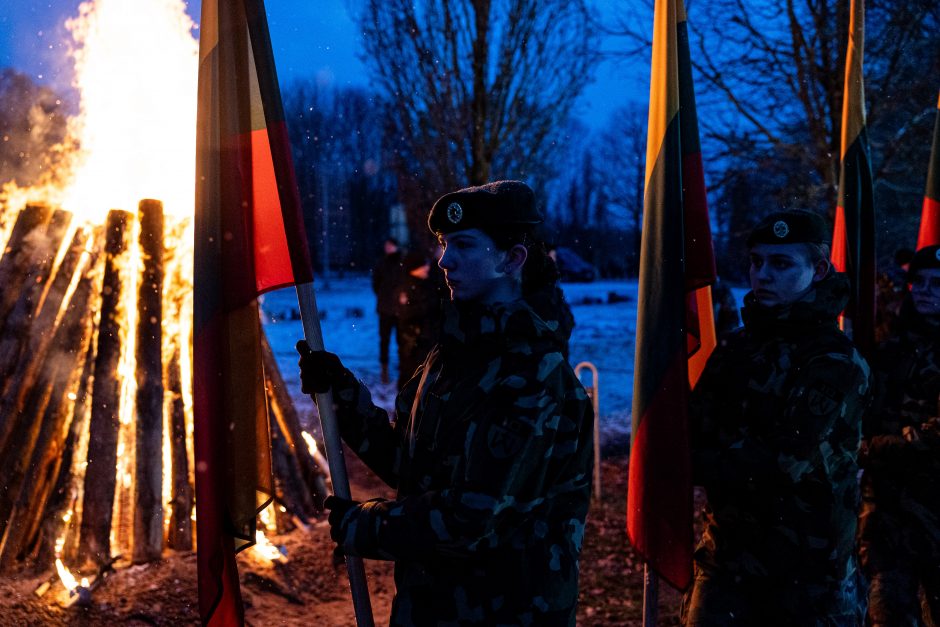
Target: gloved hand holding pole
[{"x": 334, "y": 452}]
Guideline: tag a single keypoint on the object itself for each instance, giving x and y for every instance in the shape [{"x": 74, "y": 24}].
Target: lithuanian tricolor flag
[
  {"x": 929, "y": 233},
  {"x": 248, "y": 239},
  {"x": 853, "y": 239},
  {"x": 674, "y": 313}
]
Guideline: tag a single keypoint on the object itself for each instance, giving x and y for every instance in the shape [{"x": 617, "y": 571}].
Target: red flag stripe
[
  {"x": 249, "y": 239},
  {"x": 854, "y": 233},
  {"x": 929, "y": 233}
]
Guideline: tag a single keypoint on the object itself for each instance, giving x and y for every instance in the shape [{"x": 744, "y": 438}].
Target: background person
[
  {"x": 386, "y": 276},
  {"x": 492, "y": 451},
  {"x": 899, "y": 525},
  {"x": 418, "y": 314},
  {"x": 776, "y": 425}
]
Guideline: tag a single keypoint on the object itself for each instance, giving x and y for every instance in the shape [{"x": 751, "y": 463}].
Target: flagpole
[
  {"x": 307, "y": 299},
  {"x": 650, "y": 597}
]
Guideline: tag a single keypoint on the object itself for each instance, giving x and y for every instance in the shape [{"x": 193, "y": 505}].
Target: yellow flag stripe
[
  {"x": 853, "y": 105},
  {"x": 664, "y": 81}
]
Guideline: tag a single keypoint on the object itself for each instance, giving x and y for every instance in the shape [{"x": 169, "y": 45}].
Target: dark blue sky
[{"x": 310, "y": 37}]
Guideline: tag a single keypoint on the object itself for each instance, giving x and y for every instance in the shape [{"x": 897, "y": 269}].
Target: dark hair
[
  {"x": 817, "y": 252},
  {"x": 539, "y": 271}
]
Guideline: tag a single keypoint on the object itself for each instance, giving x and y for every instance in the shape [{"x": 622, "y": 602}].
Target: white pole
[
  {"x": 594, "y": 392},
  {"x": 334, "y": 452}
]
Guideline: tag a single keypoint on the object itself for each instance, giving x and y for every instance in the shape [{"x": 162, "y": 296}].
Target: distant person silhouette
[
  {"x": 386, "y": 277},
  {"x": 418, "y": 314}
]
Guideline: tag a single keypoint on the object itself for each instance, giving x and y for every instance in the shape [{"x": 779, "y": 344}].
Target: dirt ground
[{"x": 307, "y": 590}]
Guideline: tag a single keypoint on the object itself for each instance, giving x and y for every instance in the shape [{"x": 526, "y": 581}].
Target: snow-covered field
[{"x": 605, "y": 316}]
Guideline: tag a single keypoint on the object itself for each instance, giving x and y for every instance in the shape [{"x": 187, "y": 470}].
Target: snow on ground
[{"x": 605, "y": 325}]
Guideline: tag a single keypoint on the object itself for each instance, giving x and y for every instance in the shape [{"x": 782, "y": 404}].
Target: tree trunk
[
  {"x": 148, "y": 510},
  {"x": 100, "y": 476}
]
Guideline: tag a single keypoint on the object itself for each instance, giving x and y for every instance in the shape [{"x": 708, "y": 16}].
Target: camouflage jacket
[
  {"x": 491, "y": 457},
  {"x": 776, "y": 427},
  {"x": 902, "y": 435}
]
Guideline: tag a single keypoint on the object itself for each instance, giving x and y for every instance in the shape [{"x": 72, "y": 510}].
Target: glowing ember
[
  {"x": 68, "y": 579},
  {"x": 316, "y": 454},
  {"x": 264, "y": 549}
]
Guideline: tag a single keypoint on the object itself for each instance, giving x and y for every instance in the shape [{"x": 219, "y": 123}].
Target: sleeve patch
[{"x": 823, "y": 399}]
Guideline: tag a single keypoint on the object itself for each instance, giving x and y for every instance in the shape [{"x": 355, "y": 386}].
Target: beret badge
[
  {"x": 781, "y": 229},
  {"x": 454, "y": 212}
]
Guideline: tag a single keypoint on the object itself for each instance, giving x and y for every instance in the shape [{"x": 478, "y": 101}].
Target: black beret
[
  {"x": 791, "y": 227},
  {"x": 494, "y": 204},
  {"x": 926, "y": 257}
]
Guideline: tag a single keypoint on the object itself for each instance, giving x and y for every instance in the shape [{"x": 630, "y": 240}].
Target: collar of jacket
[
  {"x": 820, "y": 307},
  {"x": 482, "y": 328}
]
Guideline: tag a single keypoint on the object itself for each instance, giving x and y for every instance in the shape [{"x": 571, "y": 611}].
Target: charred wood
[
  {"x": 60, "y": 384},
  {"x": 148, "y": 509},
  {"x": 100, "y": 477}
]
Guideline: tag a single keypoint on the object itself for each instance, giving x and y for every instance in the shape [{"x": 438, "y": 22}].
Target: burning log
[
  {"x": 60, "y": 520},
  {"x": 180, "y": 531},
  {"x": 100, "y": 478},
  {"x": 148, "y": 511},
  {"x": 289, "y": 426},
  {"x": 291, "y": 491},
  {"x": 18, "y": 384},
  {"x": 19, "y": 301},
  {"x": 18, "y": 254},
  {"x": 15, "y": 328},
  {"x": 60, "y": 382}
]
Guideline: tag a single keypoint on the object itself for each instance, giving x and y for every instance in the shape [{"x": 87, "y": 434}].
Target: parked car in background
[{"x": 571, "y": 266}]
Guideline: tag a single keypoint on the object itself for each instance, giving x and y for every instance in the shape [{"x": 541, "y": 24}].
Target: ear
[
  {"x": 515, "y": 259},
  {"x": 820, "y": 270}
]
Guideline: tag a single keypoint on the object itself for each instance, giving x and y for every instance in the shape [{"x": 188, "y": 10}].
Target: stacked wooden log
[{"x": 82, "y": 440}]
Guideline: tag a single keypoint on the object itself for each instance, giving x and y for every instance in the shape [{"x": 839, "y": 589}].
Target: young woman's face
[
  {"x": 473, "y": 266},
  {"x": 925, "y": 290},
  {"x": 782, "y": 273}
]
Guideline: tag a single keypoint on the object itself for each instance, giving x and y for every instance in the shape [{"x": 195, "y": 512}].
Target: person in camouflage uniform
[
  {"x": 491, "y": 454},
  {"x": 776, "y": 426},
  {"x": 899, "y": 524}
]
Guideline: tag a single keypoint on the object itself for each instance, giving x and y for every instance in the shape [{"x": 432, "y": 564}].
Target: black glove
[
  {"x": 353, "y": 525},
  {"x": 320, "y": 370},
  {"x": 338, "y": 507}
]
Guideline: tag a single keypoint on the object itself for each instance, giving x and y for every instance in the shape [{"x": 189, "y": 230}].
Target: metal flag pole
[
  {"x": 307, "y": 299},
  {"x": 650, "y": 597}
]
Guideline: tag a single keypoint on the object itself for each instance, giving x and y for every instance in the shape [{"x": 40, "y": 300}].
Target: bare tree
[
  {"x": 769, "y": 82},
  {"x": 474, "y": 88},
  {"x": 346, "y": 189}
]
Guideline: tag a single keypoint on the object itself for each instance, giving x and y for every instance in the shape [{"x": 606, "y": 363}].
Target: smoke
[{"x": 32, "y": 128}]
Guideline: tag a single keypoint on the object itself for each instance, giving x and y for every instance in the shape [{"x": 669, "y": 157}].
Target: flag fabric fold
[
  {"x": 929, "y": 233},
  {"x": 853, "y": 240},
  {"x": 674, "y": 315},
  {"x": 248, "y": 240}
]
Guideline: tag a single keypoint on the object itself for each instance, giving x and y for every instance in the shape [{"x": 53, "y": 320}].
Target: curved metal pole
[
  {"x": 594, "y": 393},
  {"x": 307, "y": 299}
]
